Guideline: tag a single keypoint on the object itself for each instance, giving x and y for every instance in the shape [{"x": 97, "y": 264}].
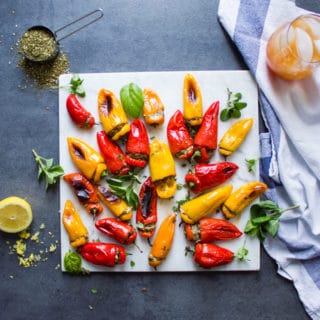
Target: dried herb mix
[
  {"x": 46, "y": 75},
  {"x": 38, "y": 44}
]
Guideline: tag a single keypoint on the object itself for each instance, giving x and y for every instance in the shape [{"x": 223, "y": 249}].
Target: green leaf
[
  {"x": 251, "y": 164},
  {"x": 47, "y": 170},
  {"x": 76, "y": 86},
  {"x": 235, "y": 113},
  {"x": 261, "y": 220},
  {"x": 256, "y": 211},
  {"x": 225, "y": 115},
  {"x": 272, "y": 227},
  {"x": 131, "y": 96},
  {"x": 233, "y": 107},
  {"x": 249, "y": 226},
  {"x": 240, "y": 105}
]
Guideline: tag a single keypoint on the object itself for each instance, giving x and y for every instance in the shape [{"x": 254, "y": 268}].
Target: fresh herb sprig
[
  {"x": 251, "y": 164},
  {"x": 234, "y": 106},
  {"x": 124, "y": 187},
  {"x": 76, "y": 86},
  {"x": 47, "y": 169},
  {"x": 242, "y": 253},
  {"x": 264, "y": 219}
]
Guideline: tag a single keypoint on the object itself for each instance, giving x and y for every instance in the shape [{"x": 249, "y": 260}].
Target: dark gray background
[{"x": 133, "y": 36}]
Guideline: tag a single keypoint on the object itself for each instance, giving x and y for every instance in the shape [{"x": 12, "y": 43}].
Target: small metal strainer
[{"x": 40, "y": 44}]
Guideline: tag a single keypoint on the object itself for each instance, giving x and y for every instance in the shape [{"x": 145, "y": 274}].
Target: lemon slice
[{"x": 15, "y": 214}]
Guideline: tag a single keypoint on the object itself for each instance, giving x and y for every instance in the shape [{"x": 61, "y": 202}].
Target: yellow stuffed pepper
[
  {"x": 153, "y": 108},
  {"x": 86, "y": 159},
  {"x": 77, "y": 231},
  {"x": 112, "y": 115},
  {"x": 115, "y": 204},
  {"x": 242, "y": 197},
  {"x": 192, "y": 101},
  {"x": 234, "y": 136},
  {"x": 201, "y": 206},
  {"x": 163, "y": 241},
  {"x": 162, "y": 169}
]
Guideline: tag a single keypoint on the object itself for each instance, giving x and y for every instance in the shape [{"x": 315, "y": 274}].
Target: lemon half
[{"x": 15, "y": 214}]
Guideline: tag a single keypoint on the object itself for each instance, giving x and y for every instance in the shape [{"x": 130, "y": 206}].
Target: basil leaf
[
  {"x": 131, "y": 96},
  {"x": 260, "y": 220},
  {"x": 272, "y": 227}
]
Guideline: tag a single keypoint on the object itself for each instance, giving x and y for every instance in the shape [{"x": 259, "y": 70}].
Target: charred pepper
[
  {"x": 234, "y": 136},
  {"x": 192, "y": 101},
  {"x": 208, "y": 255},
  {"x": 207, "y": 176},
  {"x": 113, "y": 156},
  {"x": 85, "y": 192},
  {"x": 112, "y": 115},
  {"x": 86, "y": 159},
  {"x": 199, "y": 207},
  {"x": 180, "y": 141},
  {"x": 77, "y": 231},
  {"x": 147, "y": 216},
  {"x": 114, "y": 203},
  {"x": 162, "y": 169},
  {"x": 137, "y": 146},
  {"x": 104, "y": 254},
  {"x": 153, "y": 108},
  {"x": 163, "y": 241},
  {"x": 242, "y": 197},
  {"x": 79, "y": 115},
  {"x": 205, "y": 140},
  {"x": 121, "y": 231},
  {"x": 211, "y": 229}
]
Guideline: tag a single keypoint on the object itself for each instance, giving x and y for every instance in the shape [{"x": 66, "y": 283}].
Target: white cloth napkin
[{"x": 290, "y": 150}]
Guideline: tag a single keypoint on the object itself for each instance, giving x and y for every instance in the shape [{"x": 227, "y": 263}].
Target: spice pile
[{"x": 45, "y": 75}]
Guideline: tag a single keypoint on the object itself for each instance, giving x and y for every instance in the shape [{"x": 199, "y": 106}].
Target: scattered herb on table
[
  {"x": 264, "y": 219},
  {"x": 47, "y": 169},
  {"x": 94, "y": 290},
  {"x": 234, "y": 106},
  {"x": 251, "y": 164},
  {"x": 131, "y": 96},
  {"x": 124, "y": 187}
]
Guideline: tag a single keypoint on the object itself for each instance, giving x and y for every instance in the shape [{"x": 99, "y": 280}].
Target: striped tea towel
[{"x": 290, "y": 150}]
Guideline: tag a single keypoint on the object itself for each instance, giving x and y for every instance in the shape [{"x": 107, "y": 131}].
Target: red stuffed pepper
[
  {"x": 113, "y": 156},
  {"x": 120, "y": 231},
  {"x": 208, "y": 255},
  {"x": 211, "y": 229},
  {"x": 104, "y": 254},
  {"x": 147, "y": 216},
  {"x": 206, "y": 139},
  {"x": 85, "y": 192},
  {"x": 79, "y": 115},
  {"x": 137, "y": 147},
  {"x": 207, "y": 176},
  {"x": 179, "y": 138}
]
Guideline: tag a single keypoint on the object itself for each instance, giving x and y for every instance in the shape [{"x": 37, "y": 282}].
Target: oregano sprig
[
  {"x": 47, "y": 169},
  {"x": 234, "y": 106}
]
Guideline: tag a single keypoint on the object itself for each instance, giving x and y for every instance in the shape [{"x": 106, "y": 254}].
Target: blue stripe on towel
[{"x": 246, "y": 37}]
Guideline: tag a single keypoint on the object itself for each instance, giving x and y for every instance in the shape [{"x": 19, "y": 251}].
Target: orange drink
[{"x": 293, "y": 50}]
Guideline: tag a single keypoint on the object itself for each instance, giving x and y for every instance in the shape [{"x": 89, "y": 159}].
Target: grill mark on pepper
[
  {"x": 107, "y": 105},
  {"x": 109, "y": 196},
  {"x": 192, "y": 94},
  {"x": 78, "y": 152},
  {"x": 146, "y": 202}
]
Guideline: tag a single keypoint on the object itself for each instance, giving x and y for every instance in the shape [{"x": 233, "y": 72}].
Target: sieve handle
[{"x": 98, "y": 13}]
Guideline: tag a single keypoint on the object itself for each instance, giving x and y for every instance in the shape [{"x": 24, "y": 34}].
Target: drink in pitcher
[{"x": 293, "y": 50}]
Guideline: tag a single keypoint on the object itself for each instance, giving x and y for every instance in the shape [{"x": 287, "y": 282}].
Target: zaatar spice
[
  {"x": 38, "y": 44},
  {"x": 45, "y": 75}
]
